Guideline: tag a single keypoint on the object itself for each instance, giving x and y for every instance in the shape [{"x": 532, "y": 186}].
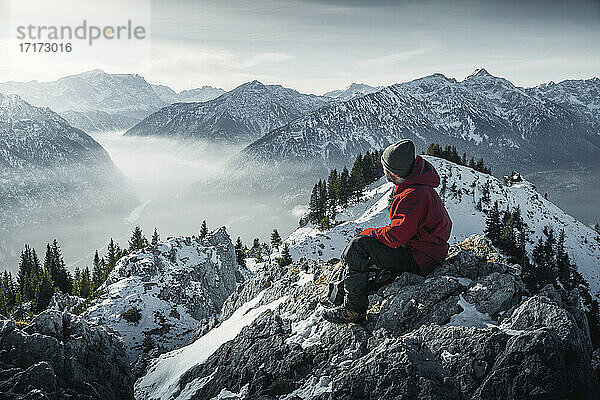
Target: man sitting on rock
[{"x": 416, "y": 240}]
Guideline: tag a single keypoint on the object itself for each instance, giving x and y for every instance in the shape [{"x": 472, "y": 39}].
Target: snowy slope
[
  {"x": 537, "y": 212},
  {"x": 98, "y": 121},
  {"x": 174, "y": 286},
  {"x": 240, "y": 115},
  {"x": 162, "y": 377}
]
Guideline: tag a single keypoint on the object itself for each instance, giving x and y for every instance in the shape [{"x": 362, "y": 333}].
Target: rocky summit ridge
[{"x": 467, "y": 331}]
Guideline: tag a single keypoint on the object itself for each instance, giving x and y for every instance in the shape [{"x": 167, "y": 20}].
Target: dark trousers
[{"x": 360, "y": 254}]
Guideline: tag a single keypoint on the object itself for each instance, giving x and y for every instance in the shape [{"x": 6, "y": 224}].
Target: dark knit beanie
[{"x": 399, "y": 157}]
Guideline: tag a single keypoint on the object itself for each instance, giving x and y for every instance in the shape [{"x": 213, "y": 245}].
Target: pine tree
[
  {"x": 138, "y": 241},
  {"x": 77, "y": 282},
  {"x": 19, "y": 312},
  {"x": 333, "y": 184},
  {"x": 112, "y": 257},
  {"x": 356, "y": 181},
  {"x": 97, "y": 271},
  {"x": 9, "y": 289},
  {"x": 275, "y": 239},
  {"x": 443, "y": 188},
  {"x": 27, "y": 275},
  {"x": 485, "y": 192},
  {"x": 203, "y": 230},
  {"x": 240, "y": 255},
  {"x": 286, "y": 257},
  {"x": 7, "y": 293},
  {"x": 256, "y": 243},
  {"x": 563, "y": 264},
  {"x": 85, "y": 284},
  {"x": 43, "y": 292},
  {"x": 155, "y": 238},
  {"x": 472, "y": 163},
  {"x": 492, "y": 225},
  {"x": 313, "y": 204},
  {"x": 61, "y": 278},
  {"x": 434, "y": 150},
  {"x": 324, "y": 223},
  {"x": 345, "y": 189},
  {"x": 544, "y": 259}
]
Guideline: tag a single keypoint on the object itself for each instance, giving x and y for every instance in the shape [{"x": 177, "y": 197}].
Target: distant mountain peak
[
  {"x": 480, "y": 72},
  {"x": 93, "y": 72}
]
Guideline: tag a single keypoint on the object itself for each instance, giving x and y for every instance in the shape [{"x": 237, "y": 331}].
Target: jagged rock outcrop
[
  {"x": 156, "y": 297},
  {"x": 464, "y": 332},
  {"x": 64, "y": 302},
  {"x": 61, "y": 356}
]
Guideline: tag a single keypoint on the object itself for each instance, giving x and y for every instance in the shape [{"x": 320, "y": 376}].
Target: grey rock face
[
  {"x": 464, "y": 332},
  {"x": 61, "y": 356}
]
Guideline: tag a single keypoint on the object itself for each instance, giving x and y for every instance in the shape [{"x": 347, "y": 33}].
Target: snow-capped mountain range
[
  {"x": 485, "y": 116},
  {"x": 98, "y": 101},
  {"x": 173, "y": 286},
  {"x": 123, "y": 94},
  {"x": 50, "y": 169},
  {"x": 241, "y": 115}
]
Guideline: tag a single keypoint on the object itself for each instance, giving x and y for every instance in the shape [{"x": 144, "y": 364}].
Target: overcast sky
[{"x": 316, "y": 46}]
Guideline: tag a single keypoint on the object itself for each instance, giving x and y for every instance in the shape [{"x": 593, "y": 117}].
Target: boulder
[{"x": 61, "y": 356}]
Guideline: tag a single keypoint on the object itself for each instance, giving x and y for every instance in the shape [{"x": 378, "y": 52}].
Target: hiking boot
[{"x": 341, "y": 315}]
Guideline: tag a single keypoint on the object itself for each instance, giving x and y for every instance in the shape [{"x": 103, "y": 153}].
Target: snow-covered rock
[
  {"x": 464, "y": 188},
  {"x": 423, "y": 339},
  {"x": 239, "y": 116},
  {"x": 64, "y": 302},
  {"x": 167, "y": 289}
]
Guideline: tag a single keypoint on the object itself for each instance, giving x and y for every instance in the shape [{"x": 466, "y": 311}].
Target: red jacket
[{"x": 418, "y": 218}]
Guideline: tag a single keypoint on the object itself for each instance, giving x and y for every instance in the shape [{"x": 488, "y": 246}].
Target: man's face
[{"x": 391, "y": 177}]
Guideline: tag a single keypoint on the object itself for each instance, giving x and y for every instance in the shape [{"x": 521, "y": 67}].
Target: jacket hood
[{"x": 423, "y": 173}]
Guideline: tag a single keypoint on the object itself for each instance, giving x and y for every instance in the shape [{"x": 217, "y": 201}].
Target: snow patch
[{"x": 162, "y": 378}]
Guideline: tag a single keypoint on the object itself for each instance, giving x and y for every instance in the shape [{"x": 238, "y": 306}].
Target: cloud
[
  {"x": 189, "y": 65},
  {"x": 393, "y": 58}
]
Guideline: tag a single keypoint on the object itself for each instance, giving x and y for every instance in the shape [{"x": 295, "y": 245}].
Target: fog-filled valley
[{"x": 159, "y": 173}]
